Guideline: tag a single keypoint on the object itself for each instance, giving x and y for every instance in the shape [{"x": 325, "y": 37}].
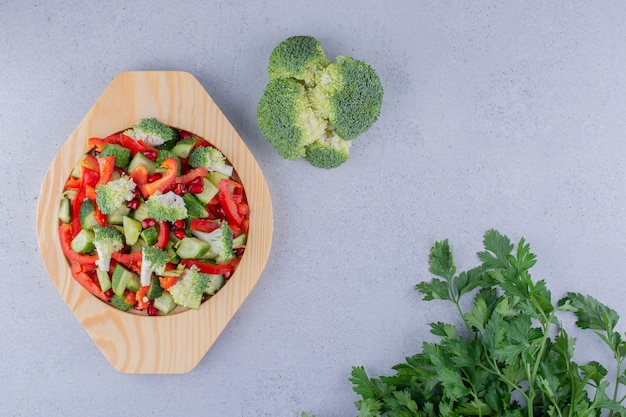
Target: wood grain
[{"x": 164, "y": 344}]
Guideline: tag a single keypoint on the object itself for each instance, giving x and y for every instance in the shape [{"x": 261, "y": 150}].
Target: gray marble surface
[{"x": 500, "y": 114}]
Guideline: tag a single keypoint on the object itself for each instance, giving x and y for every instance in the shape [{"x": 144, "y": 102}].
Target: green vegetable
[
  {"x": 211, "y": 159},
  {"x": 152, "y": 260},
  {"x": 299, "y": 57},
  {"x": 188, "y": 291},
  {"x": 168, "y": 206},
  {"x": 113, "y": 195},
  {"x": 106, "y": 240},
  {"x": 348, "y": 93},
  {"x": 513, "y": 351},
  {"x": 287, "y": 119},
  {"x": 220, "y": 241},
  {"x": 311, "y": 107},
  {"x": 330, "y": 151},
  {"x": 152, "y": 132}
]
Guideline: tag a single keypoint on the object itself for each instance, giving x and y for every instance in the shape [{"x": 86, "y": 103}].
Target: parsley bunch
[{"x": 512, "y": 357}]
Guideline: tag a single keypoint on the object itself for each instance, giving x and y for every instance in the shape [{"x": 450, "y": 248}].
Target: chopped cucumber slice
[
  {"x": 83, "y": 242},
  {"x": 132, "y": 230},
  {"x": 165, "y": 303}
]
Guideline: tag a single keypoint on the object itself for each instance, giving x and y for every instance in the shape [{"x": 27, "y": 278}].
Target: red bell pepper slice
[
  {"x": 203, "y": 225},
  {"x": 130, "y": 260},
  {"x": 191, "y": 175},
  {"x": 164, "y": 235},
  {"x": 96, "y": 143},
  {"x": 139, "y": 298},
  {"x": 139, "y": 176},
  {"x": 128, "y": 142},
  {"x": 75, "y": 209},
  {"x": 165, "y": 181},
  {"x": 107, "y": 166},
  {"x": 167, "y": 282},
  {"x": 65, "y": 236},
  {"x": 84, "y": 279},
  {"x": 210, "y": 268},
  {"x": 89, "y": 176},
  {"x": 228, "y": 204}
]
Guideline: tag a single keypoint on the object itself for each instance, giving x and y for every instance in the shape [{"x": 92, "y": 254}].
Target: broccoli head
[
  {"x": 287, "y": 119},
  {"x": 211, "y": 159},
  {"x": 106, "y": 240},
  {"x": 299, "y": 57},
  {"x": 166, "y": 207},
  {"x": 153, "y": 259},
  {"x": 187, "y": 292},
  {"x": 220, "y": 241},
  {"x": 328, "y": 152},
  {"x": 152, "y": 132},
  {"x": 349, "y": 95},
  {"x": 114, "y": 194}
]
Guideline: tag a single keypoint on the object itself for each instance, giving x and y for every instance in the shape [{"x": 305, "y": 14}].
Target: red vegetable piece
[
  {"x": 164, "y": 182},
  {"x": 88, "y": 262},
  {"x": 84, "y": 279}
]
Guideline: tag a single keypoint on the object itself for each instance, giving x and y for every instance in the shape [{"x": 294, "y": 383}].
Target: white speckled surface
[{"x": 497, "y": 114}]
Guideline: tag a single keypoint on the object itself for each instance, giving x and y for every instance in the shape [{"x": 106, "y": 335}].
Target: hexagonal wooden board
[{"x": 163, "y": 344}]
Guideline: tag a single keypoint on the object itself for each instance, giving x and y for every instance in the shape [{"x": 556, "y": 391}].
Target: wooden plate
[{"x": 164, "y": 344}]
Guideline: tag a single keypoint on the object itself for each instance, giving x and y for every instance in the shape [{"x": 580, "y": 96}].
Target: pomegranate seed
[
  {"x": 110, "y": 293},
  {"x": 179, "y": 224},
  {"x": 179, "y": 233},
  {"x": 152, "y": 310},
  {"x": 148, "y": 222},
  {"x": 150, "y": 154},
  {"x": 133, "y": 204},
  {"x": 154, "y": 177},
  {"x": 137, "y": 192},
  {"x": 180, "y": 189},
  {"x": 196, "y": 189},
  {"x": 197, "y": 181}
]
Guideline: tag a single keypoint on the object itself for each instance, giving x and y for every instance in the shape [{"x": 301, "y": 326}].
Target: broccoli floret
[
  {"x": 152, "y": 260},
  {"x": 328, "y": 152},
  {"x": 220, "y": 241},
  {"x": 349, "y": 95},
  {"x": 166, "y": 207},
  {"x": 152, "y": 132},
  {"x": 287, "y": 119},
  {"x": 187, "y": 292},
  {"x": 106, "y": 240},
  {"x": 113, "y": 195},
  {"x": 299, "y": 57},
  {"x": 211, "y": 159}
]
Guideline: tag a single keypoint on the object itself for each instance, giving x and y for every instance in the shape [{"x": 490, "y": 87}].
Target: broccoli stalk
[
  {"x": 220, "y": 241},
  {"x": 166, "y": 207},
  {"x": 152, "y": 132},
  {"x": 210, "y": 158},
  {"x": 106, "y": 240},
  {"x": 152, "y": 260},
  {"x": 113, "y": 195},
  {"x": 187, "y": 292}
]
